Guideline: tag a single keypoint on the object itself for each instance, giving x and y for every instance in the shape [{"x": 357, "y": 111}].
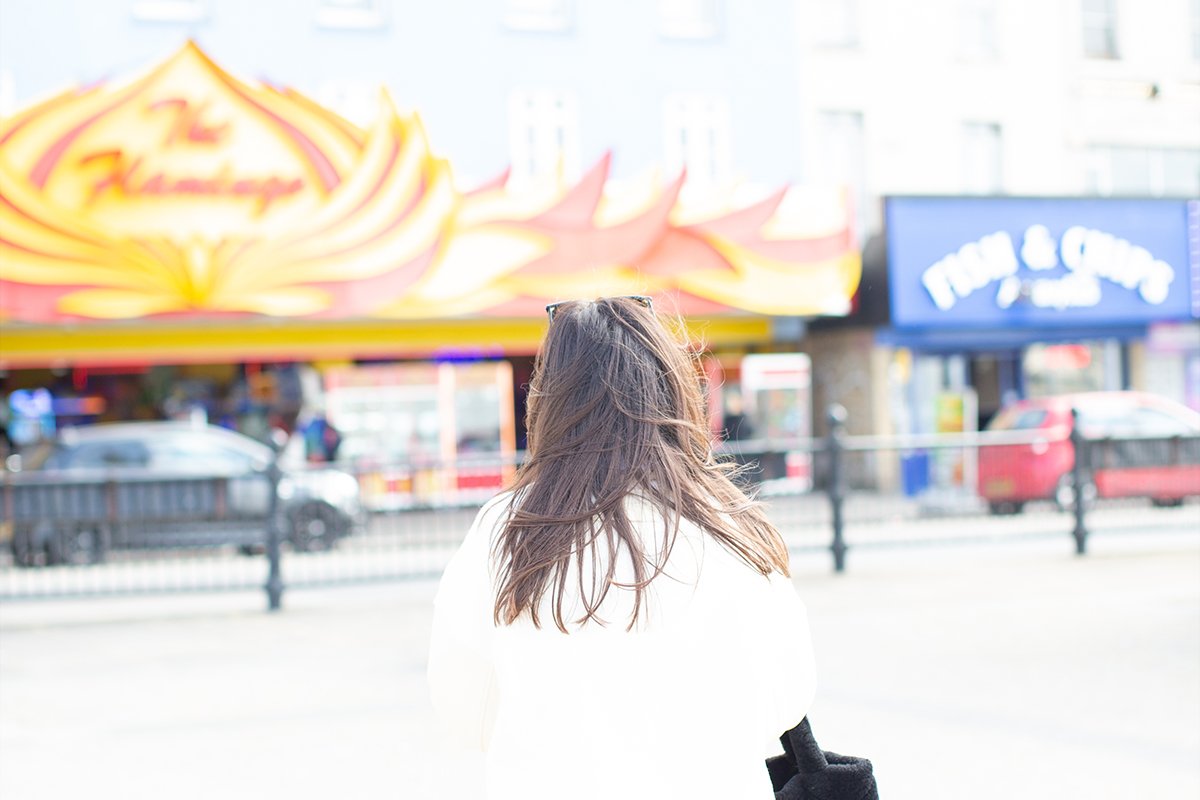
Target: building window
[
  {"x": 543, "y": 136},
  {"x": 1196, "y": 30},
  {"x": 1100, "y": 28},
  {"x": 977, "y": 29},
  {"x": 840, "y": 159},
  {"x": 352, "y": 14},
  {"x": 688, "y": 19},
  {"x": 834, "y": 22},
  {"x": 8, "y": 93},
  {"x": 170, "y": 10},
  {"x": 1143, "y": 172},
  {"x": 982, "y": 165},
  {"x": 538, "y": 15},
  {"x": 696, "y": 137}
]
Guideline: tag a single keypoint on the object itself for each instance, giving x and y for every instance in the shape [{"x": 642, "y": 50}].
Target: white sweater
[{"x": 687, "y": 705}]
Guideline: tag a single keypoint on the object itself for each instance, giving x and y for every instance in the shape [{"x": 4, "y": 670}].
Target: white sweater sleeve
[
  {"x": 462, "y": 682},
  {"x": 791, "y": 675}
]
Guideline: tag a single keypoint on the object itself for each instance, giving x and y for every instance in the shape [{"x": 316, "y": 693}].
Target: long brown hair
[{"x": 615, "y": 409}]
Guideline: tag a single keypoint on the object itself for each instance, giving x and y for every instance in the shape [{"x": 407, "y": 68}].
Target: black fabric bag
[{"x": 806, "y": 772}]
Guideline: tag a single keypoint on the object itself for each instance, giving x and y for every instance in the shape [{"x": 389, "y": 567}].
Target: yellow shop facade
[{"x": 184, "y": 238}]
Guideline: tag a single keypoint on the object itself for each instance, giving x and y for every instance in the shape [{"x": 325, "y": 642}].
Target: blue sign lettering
[{"x": 1000, "y": 262}]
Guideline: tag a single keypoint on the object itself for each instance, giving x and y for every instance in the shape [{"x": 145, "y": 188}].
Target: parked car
[
  {"x": 168, "y": 484},
  {"x": 1143, "y": 445}
]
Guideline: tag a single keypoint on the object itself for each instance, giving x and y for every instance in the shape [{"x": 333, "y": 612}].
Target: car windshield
[
  {"x": 1126, "y": 420},
  {"x": 1018, "y": 419},
  {"x": 107, "y": 453},
  {"x": 198, "y": 452}
]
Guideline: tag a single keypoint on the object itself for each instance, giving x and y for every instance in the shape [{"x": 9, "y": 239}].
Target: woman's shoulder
[
  {"x": 490, "y": 520},
  {"x": 499, "y": 507}
]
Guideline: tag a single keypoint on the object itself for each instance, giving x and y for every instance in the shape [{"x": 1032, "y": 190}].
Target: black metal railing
[{"x": 119, "y": 533}]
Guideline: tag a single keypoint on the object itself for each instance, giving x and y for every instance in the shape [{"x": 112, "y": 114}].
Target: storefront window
[
  {"x": 1171, "y": 364},
  {"x": 1052, "y": 369},
  {"x": 405, "y": 427},
  {"x": 478, "y": 410}
]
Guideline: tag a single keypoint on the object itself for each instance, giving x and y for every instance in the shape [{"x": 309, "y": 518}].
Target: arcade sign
[
  {"x": 188, "y": 193},
  {"x": 984, "y": 262}
]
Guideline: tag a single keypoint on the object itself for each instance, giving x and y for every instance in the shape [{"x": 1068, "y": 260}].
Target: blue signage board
[{"x": 1004, "y": 263}]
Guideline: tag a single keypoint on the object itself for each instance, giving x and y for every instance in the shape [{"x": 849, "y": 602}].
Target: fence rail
[{"x": 110, "y": 532}]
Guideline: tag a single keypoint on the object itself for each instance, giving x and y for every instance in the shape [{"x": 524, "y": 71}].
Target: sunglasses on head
[{"x": 648, "y": 302}]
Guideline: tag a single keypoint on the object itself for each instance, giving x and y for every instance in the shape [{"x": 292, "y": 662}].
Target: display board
[
  {"x": 424, "y": 434},
  {"x": 1006, "y": 263}
]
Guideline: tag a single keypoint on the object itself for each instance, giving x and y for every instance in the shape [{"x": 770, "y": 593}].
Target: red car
[{"x": 1126, "y": 462}]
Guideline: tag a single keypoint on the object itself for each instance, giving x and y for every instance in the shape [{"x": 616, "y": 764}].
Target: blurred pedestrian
[
  {"x": 621, "y": 622},
  {"x": 321, "y": 439},
  {"x": 737, "y": 428},
  {"x": 7, "y": 445},
  {"x": 736, "y": 424}
]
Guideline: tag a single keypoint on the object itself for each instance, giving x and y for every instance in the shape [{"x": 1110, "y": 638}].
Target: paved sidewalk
[{"x": 1012, "y": 670}]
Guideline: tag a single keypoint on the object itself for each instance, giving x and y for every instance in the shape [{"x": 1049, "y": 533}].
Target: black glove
[{"x": 806, "y": 772}]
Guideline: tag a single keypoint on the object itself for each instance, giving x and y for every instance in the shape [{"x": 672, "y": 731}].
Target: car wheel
[
  {"x": 1064, "y": 493},
  {"x": 315, "y": 526},
  {"x": 24, "y": 547},
  {"x": 82, "y": 545},
  {"x": 1006, "y": 508}
]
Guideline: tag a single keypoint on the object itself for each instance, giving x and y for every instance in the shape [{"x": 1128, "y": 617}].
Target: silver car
[{"x": 169, "y": 484}]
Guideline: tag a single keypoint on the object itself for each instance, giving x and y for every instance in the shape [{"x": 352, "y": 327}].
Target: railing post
[
  {"x": 836, "y": 415},
  {"x": 1079, "y": 482},
  {"x": 274, "y": 585}
]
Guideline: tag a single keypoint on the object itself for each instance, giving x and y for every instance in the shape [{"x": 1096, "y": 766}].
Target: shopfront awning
[
  {"x": 968, "y": 340},
  {"x": 137, "y": 344},
  {"x": 187, "y": 206}
]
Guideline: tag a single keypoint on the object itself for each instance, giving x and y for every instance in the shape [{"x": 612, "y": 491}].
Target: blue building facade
[{"x": 1020, "y": 297}]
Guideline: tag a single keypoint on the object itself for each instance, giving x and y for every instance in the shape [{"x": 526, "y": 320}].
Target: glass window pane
[
  {"x": 1196, "y": 30},
  {"x": 834, "y": 22},
  {"x": 538, "y": 15},
  {"x": 982, "y": 168},
  {"x": 119, "y": 453},
  {"x": 1099, "y": 18},
  {"x": 1181, "y": 173},
  {"x": 1014, "y": 419},
  {"x": 977, "y": 23},
  {"x": 1131, "y": 171},
  {"x": 1052, "y": 369},
  {"x": 842, "y": 159},
  {"x": 688, "y": 19},
  {"x": 696, "y": 136},
  {"x": 543, "y": 136}
]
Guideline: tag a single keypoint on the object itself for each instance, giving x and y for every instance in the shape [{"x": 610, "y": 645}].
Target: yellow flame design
[{"x": 186, "y": 191}]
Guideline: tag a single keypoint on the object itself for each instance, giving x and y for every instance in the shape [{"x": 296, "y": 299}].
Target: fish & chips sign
[
  {"x": 1090, "y": 256},
  {"x": 1026, "y": 262}
]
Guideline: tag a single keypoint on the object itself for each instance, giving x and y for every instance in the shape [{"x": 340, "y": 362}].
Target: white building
[
  {"x": 1019, "y": 97},
  {"x": 1023, "y": 98}
]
